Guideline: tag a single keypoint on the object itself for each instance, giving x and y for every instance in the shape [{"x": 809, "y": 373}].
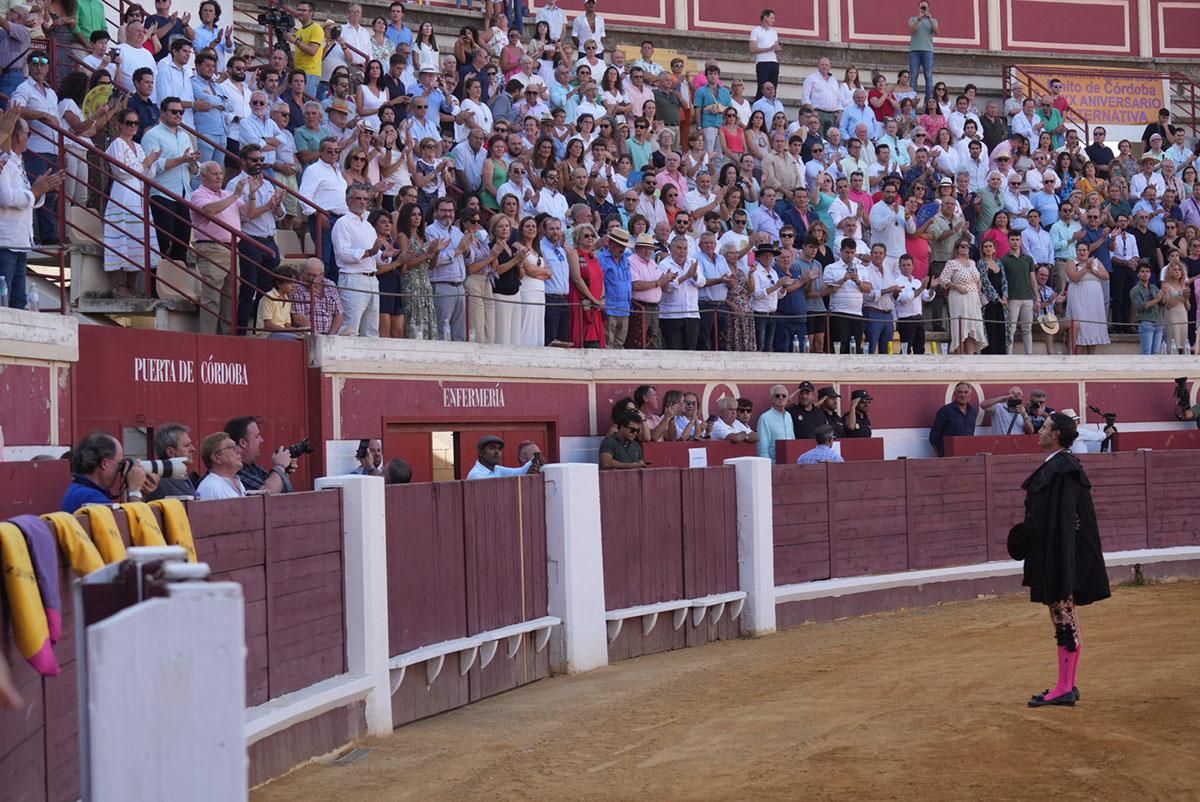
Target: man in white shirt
[
  {"x": 222, "y": 459},
  {"x": 1036, "y": 241},
  {"x": 957, "y": 120},
  {"x": 173, "y": 78},
  {"x": 910, "y": 302},
  {"x": 764, "y": 46},
  {"x": 700, "y": 201},
  {"x": 39, "y": 104},
  {"x": 1148, "y": 176},
  {"x": 646, "y": 63},
  {"x": 768, "y": 104},
  {"x": 879, "y": 303},
  {"x": 847, "y": 285},
  {"x": 589, "y": 27},
  {"x": 822, "y": 91},
  {"x": 728, "y": 427},
  {"x": 890, "y": 221},
  {"x": 843, "y": 207},
  {"x": 976, "y": 165},
  {"x": 518, "y": 184},
  {"x": 491, "y": 449},
  {"x": 356, "y": 247},
  {"x": 356, "y": 35},
  {"x": 1016, "y": 204},
  {"x": 1008, "y": 413},
  {"x": 554, "y": 17},
  {"x": 324, "y": 185},
  {"x": 550, "y": 200},
  {"x": 132, "y": 56}
]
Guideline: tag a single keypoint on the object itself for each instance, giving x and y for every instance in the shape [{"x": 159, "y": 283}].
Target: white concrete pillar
[
  {"x": 364, "y": 555},
  {"x": 833, "y": 10},
  {"x": 995, "y": 40},
  {"x": 166, "y": 686},
  {"x": 756, "y": 543},
  {"x": 1145, "y": 44},
  {"x": 575, "y": 567}
]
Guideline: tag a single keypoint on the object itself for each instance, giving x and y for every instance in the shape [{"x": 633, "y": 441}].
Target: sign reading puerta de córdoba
[
  {"x": 1105, "y": 97},
  {"x": 155, "y": 370}
]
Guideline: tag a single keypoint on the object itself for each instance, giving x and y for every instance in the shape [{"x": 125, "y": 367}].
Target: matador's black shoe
[{"x": 1066, "y": 700}]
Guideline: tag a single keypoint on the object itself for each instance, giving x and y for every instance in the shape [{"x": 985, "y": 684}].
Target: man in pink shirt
[
  {"x": 638, "y": 90},
  {"x": 671, "y": 174},
  {"x": 647, "y": 293},
  {"x": 212, "y": 242}
]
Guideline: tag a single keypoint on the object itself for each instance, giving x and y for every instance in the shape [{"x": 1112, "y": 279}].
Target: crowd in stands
[{"x": 537, "y": 186}]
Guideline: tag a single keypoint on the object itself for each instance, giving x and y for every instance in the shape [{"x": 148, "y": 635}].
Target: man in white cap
[{"x": 487, "y": 466}]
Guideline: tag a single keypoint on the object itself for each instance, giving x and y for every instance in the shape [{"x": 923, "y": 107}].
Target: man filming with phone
[
  {"x": 370, "y": 457},
  {"x": 247, "y": 436},
  {"x": 1009, "y": 415}
]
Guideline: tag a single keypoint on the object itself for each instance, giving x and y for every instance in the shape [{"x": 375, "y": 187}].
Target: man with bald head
[
  {"x": 775, "y": 423},
  {"x": 1009, "y": 415}
]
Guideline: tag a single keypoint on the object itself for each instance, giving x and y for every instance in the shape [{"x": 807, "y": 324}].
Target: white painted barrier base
[{"x": 826, "y": 588}]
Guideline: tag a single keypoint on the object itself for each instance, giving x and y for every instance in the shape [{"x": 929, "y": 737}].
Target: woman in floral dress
[{"x": 741, "y": 291}]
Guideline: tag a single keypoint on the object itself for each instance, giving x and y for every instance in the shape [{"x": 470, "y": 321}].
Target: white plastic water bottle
[
  {"x": 806, "y": 345},
  {"x": 33, "y": 303},
  {"x": 853, "y": 346},
  {"x": 3, "y": 293},
  {"x": 1172, "y": 347},
  {"x": 795, "y": 343}
]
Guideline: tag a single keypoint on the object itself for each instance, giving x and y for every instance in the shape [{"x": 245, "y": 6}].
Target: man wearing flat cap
[
  {"x": 488, "y": 466},
  {"x": 858, "y": 418}
]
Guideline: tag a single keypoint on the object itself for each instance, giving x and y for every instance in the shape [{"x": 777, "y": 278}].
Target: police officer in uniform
[{"x": 858, "y": 419}]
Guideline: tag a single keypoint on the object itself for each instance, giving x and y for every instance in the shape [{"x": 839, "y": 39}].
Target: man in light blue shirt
[
  {"x": 178, "y": 161},
  {"x": 824, "y": 451},
  {"x": 859, "y": 112},
  {"x": 775, "y": 423},
  {"x": 491, "y": 449},
  {"x": 558, "y": 286}
]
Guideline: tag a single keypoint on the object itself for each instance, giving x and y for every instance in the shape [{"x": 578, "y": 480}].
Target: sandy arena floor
[{"x": 923, "y": 705}]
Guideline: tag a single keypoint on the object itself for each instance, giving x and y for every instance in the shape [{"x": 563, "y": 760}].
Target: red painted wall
[
  {"x": 127, "y": 378},
  {"x": 1176, "y": 29}
]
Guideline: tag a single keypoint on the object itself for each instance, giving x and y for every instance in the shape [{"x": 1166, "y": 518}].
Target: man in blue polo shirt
[
  {"x": 618, "y": 287},
  {"x": 96, "y": 463}
]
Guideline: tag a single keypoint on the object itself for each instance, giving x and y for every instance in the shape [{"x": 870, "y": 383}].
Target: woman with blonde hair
[{"x": 963, "y": 282}]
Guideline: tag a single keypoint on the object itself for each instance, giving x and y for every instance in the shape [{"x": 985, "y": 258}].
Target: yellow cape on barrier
[
  {"x": 175, "y": 520},
  {"x": 31, "y": 629},
  {"x": 143, "y": 526},
  {"x": 75, "y": 543},
  {"x": 105, "y": 533}
]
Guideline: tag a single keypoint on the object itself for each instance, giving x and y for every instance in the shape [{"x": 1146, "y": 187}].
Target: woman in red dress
[{"x": 587, "y": 290}]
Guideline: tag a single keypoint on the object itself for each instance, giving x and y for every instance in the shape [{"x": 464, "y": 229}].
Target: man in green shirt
[
  {"x": 89, "y": 17},
  {"x": 622, "y": 449},
  {"x": 1147, "y": 305},
  {"x": 1019, "y": 269},
  {"x": 990, "y": 200}
]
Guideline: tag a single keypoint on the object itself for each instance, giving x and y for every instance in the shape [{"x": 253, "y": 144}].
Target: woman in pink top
[
  {"x": 932, "y": 120},
  {"x": 998, "y": 233}
]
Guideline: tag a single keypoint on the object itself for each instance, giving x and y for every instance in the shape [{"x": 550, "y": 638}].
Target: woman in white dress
[
  {"x": 1085, "y": 300},
  {"x": 125, "y": 213},
  {"x": 532, "y": 296},
  {"x": 371, "y": 94},
  {"x": 480, "y": 116},
  {"x": 963, "y": 282}
]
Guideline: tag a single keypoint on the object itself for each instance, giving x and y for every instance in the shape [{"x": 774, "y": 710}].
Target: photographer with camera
[
  {"x": 1038, "y": 409},
  {"x": 1184, "y": 408},
  {"x": 1009, "y": 415},
  {"x": 222, "y": 458},
  {"x": 370, "y": 457},
  {"x": 173, "y": 441},
  {"x": 247, "y": 436},
  {"x": 102, "y": 475}
]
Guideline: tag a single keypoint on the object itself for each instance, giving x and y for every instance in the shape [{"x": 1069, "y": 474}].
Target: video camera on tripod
[
  {"x": 1110, "y": 422},
  {"x": 280, "y": 22}
]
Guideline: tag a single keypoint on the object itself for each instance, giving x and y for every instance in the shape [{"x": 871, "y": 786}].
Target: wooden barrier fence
[
  {"x": 286, "y": 553},
  {"x": 855, "y": 519},
  {"x": 464, "y": 558}
]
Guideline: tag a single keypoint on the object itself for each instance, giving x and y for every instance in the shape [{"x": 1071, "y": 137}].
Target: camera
[
  {"x": 1012, "y": 404},
  {"x": 1110, "y": 422},
  {"x": 166, "y": 468},
  {"x": 1183, "y": 399},
  {"x": 300, "y": 449},
  {"x": 280, "y": 22}
]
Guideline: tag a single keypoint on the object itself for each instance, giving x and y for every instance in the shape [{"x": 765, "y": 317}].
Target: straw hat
[
  {"x": 644, "y": 241},
  {"x": 619, "y": 236},
  {"x": 1049, "y": 322}
]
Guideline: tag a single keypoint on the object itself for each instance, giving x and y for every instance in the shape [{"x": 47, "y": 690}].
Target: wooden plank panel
[
  {"x": 537, "y": 591},
  {"x": 947, "y": 512},
  {"x": 868, "y": 518},
  {"x": 305, "y": 524},
  {"x": 426, "y": 578},
  {"x": 62, "y": 735},
  {"x": 632, "y": 643},
  {"x": 620, "y": 534},
  {"x": 708, "y": 503},
  {"x": 277, "y": 754},
  {"x": 493, "y": 543},
  {"x": 1005, "y": 473},
  {"x": 661, "y": 548},
  {"x": 800, "y": 509},
  {"x": 1119, "y": 491},
  {"x": 414, "y": 700},
  {"x": 24, "y": 770},
  {"x": 305, "y": 619},
  {"x": 1170, "y": 476}
]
